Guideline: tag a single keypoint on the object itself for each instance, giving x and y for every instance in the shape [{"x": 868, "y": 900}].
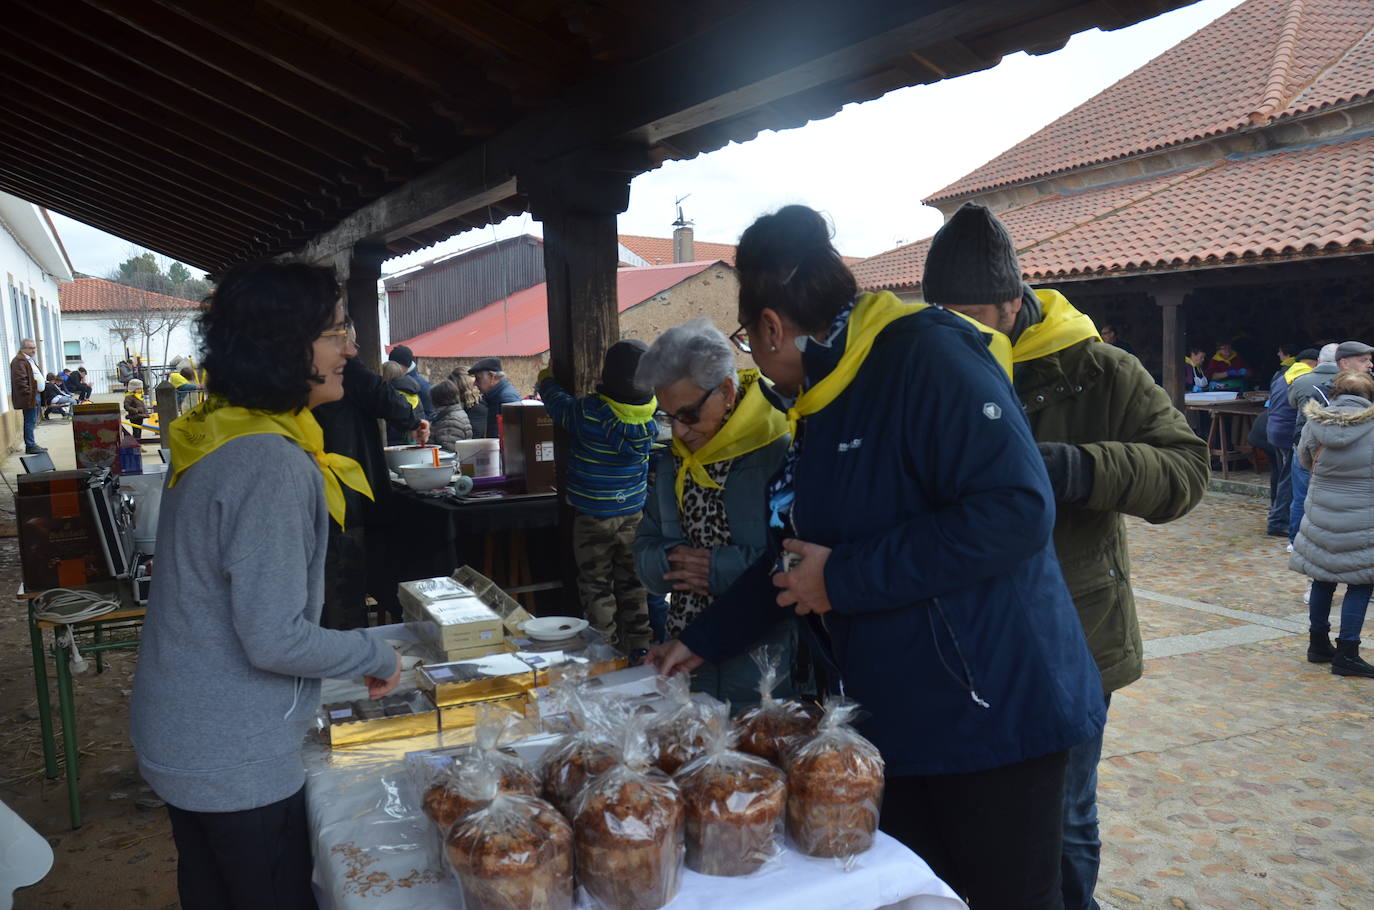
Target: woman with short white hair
[{"x": 706, "y": 520}]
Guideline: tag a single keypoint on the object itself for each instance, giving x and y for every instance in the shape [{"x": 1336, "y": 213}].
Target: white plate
[{"x": 553, "y": 628}]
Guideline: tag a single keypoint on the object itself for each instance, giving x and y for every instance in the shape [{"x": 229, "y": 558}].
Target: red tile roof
[
  {"x": 519, "y": 325},
  {"x": 1305, "y": 202},
  {"x": 1263, "y": 61},
  {"x": 96, "y": 295},
  {"x": 659, "y": 250}
]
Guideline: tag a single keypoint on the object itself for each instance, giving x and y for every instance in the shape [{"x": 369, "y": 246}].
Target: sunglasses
[
  {"x": 740, "y": 339},
  {"x": 690, "y": 416}
]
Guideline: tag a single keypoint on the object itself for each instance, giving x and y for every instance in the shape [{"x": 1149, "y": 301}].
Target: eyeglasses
[
  {"x": 740, "y": 338},
  {"x": 688, "y": 417},
  {"x": 339, "y": 336}
]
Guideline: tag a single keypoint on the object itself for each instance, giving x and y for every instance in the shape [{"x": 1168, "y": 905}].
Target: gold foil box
[
  {"x": 460, "y": 681},
  {"x": 509, "y": 696},
  {"x": 394, "y": 716}
]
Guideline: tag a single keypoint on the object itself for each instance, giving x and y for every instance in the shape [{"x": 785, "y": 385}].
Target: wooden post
[
  {"x": 360, "y": 300},
  {"x": 1169, "y": 302}
]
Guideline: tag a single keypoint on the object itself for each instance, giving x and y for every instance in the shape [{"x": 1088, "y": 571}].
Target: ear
[
  {"x": 773, "y": 332},
  {"x": 728, "y": 391}
]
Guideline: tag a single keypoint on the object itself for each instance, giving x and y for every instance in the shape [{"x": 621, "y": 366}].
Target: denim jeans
[
  {"x": 1353, "y": 607},
  {"x": 1300, "y": 477},
  {"x": 1280, "y": 490},
  {"x": 1081, "y": 853},
  {"x": 30, "y": 421}
]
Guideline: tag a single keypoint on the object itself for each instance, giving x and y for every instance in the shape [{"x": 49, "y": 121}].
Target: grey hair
[
  {"x": 695, "y": 350},
  {"x": 1328, "y": 353}
]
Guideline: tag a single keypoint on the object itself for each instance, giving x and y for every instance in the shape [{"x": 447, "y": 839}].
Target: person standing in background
[
  {"x": 1281, "y": 418},
  {"x": 402, "y": 355},
  {"x": 496, "y": 390},
  {"x": 26, "y": 384}
]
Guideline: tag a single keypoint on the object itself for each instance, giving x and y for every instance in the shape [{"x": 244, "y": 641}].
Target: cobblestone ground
[{"x": 1234, "y": 774}]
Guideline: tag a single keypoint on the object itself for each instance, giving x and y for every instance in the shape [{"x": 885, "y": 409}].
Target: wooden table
[
  {"x": 91, "y": 636},
  {"x": 1219, "y": 442}
]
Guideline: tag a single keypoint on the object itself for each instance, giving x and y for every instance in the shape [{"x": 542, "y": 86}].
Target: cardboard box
[
  {"x": 458, "y": 624},
  {"x": 527, "y": 445},
  {"x": 59, "y": 534},
  {"x": 462, "y": 681},
  {"x": 95, "y": 434}
]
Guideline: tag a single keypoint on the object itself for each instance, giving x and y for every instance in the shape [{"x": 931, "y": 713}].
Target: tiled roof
[
  {"x": 659, "y": 250},
  {"x": 1264, "y": 60},
  {"x": 1278, "y": 205},
  {"x": 519, "y": 325},
  {"x": 96, "y": 295}
]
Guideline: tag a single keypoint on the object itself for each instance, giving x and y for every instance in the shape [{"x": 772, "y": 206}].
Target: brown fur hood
[{"x": 1348, "y": 415}]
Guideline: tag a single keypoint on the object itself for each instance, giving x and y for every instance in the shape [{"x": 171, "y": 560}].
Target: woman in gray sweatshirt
[{"x": 232, "y": 654}]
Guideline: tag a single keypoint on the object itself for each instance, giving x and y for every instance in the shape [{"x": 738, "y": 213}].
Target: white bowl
[
  {"x": 426, "y": 476},
  {"x": 553, "y": 628},
  {"x": 396, "y": 456}
]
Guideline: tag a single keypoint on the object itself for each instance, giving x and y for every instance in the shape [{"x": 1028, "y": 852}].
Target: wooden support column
[
  {"x": 1172, "y": 342},
  {"x": 360, "y": 300}
]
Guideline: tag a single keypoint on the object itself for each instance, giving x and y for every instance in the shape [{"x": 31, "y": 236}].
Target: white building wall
[
  {"x": 29, "y": 308},
  {"x": 100, "y": 349}
]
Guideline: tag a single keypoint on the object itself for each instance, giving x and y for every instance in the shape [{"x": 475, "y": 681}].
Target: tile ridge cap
[{"x": 1281, "y": 65}]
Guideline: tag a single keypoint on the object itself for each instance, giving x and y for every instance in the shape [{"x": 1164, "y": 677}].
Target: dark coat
[
  {"x": 499, "y": 394},
  {"x": 1146, "y": 462},
  {"x": 24, "y": 388},
  {"x": 423, "y": 386},
  {"x": 1282, "y": 415},
  {"x": 924, "y": 479},
  {"x": 350, "y": 428},
  {"x": 1316, "y": 384},
  {"x": 450, "y": 424},
  {"x": 477, "y": 418}
]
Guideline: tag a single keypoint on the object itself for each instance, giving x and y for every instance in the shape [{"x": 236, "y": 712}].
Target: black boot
[
  {"x": 1320, "y": 650},
  {"x": 1347, "y": 660}
]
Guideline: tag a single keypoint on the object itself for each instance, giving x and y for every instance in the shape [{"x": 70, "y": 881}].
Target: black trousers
[
  {"x": 345, "y": 578},
  {"x": 993, "y": 836},
  {"x": 257, "y": 859}
]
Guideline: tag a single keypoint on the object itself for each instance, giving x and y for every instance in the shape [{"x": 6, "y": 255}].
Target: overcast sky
[{"x": 868, "y": 167}]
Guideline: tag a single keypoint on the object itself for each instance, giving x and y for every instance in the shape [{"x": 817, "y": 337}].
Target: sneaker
[{"x": 34, "y": 450}]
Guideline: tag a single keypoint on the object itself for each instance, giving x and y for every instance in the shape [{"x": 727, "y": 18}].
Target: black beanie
[
  {"x": 402, "y": 355},
  {"x": 618, "y": 373},
  {"x": 972, "y": 261}
]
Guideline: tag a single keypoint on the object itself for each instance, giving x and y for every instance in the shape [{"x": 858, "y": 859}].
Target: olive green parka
[{"x": 1146, "y": 462}]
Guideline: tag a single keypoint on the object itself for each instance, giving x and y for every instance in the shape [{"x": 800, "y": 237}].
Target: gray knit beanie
[{"x": 972, "y": 261}]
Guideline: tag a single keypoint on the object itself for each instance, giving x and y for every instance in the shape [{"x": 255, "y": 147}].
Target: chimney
[{"x": 684, "y": 249}]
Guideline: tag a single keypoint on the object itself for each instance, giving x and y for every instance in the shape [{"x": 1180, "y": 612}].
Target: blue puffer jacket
[
  {"x": 924, "y": 479},
  {"x": 661, "y": 529},
  {"x": 608, "y": 466}
]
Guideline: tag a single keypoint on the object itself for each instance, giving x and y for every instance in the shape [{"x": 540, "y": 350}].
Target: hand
[
  {"x": 377, "y": 687},
  {"x": 804, "y": 585},
  {"x": 691, "y": 570},
  {"x": 422, "y": 432},
  {"x": 1070, "y": 471},
  {"x": 673, "y": 657}
]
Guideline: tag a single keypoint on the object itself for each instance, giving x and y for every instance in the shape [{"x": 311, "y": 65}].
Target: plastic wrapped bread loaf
[
  {"x": 514, "y": 853},
  {"x": 834, "y": 787},
  {"x": 679, "y": 735},
  {"x": 767, "y": 728},
  {"x": 456, "y": 790}
]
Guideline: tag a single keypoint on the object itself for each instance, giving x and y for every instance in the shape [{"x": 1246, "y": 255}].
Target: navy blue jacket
[
  {"x": 924, "y": 479},
  {"x": 501, "y": 393},
  {"x": 1282, "y": 415}
]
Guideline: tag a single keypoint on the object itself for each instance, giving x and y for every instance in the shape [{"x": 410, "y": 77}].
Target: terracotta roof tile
[
  {"x": 1266, "y": 58},
  {"x": 1277, "y": 205},
  {"x": 659, "y": 250},
  {"x": 96, "y": 295}
]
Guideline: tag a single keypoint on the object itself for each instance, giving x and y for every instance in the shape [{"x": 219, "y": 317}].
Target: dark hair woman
[
  {"x": 913, "y": 521},
  {"x": 232, "y": 641},
  {"x": 450, "y": 424}
]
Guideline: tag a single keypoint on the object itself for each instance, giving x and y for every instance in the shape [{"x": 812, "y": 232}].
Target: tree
[{"x": 150, "y": 272}]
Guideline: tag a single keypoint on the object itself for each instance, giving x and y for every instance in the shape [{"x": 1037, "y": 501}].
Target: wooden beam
[
  {"x": 1172, "y": 344},
  {"x": 361, "y": 302}
]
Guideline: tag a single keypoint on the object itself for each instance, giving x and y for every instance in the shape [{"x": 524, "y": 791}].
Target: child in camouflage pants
[{"x": 608, "y": 473}]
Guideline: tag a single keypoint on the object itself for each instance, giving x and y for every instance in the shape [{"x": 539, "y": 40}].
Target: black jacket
[
  {"x": 501, "y": 393},
  {"x": 350, "y": 428}
]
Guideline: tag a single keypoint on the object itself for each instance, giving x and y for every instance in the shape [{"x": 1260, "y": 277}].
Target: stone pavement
[{"x": 1234, "y": 774}]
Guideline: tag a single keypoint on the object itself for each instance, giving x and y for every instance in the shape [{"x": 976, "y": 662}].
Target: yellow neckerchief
[
  {"x": 212, "y": 423},
  {"x": 873, "y": 313},
  {"x": 411, "y": 399},
  {"x": 1295, "y": 370},
  {"x": 1217, "y": 356},
  {"x": 1287, "y": 362},
  {"x": 631, "y": 413},
  {"x": 177, "y": 380},
  {"x": 1060, "y": 326},
  {"x": 754, "y": 424}
]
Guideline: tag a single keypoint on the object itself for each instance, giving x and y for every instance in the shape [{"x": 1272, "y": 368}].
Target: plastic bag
[
  {"x": 834, "y": 787},
  {"x": 458, "y": 789},
  {"x": 733, "y": 804},
  {"x": 680, "y": 734},
  {"x": 628, "y": 830},
  {"x": 514, "y": 853},
  {"x": 586, "y": 751},
  {"x": 767, "y": 728}
]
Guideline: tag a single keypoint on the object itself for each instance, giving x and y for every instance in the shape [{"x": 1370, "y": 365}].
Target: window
[{"x": 72, "y": 351}]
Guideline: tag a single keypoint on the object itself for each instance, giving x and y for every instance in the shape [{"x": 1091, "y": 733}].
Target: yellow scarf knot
[
  {"x": 754, "y": 424},
  {"x": 1061, "y": 326},
  {"x": 212, "y": 423}
]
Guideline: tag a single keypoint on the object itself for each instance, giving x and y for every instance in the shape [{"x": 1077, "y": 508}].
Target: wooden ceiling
[{"x": 215, "y": 132}]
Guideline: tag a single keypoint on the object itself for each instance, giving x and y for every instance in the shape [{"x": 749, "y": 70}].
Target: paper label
[
  {"x": 543, "y": 451},
  {"x": 341, "y": 713}
]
